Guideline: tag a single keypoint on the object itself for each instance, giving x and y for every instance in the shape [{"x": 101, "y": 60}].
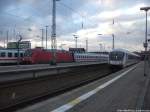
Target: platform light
[
  {"x": 146, "y": 9},
  {"x": 113, "y": 40},
  {"x": 76, "y": 40}
]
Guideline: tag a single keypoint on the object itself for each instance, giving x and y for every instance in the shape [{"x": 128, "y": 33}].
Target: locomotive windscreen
[
  {"x": 28, "y": 53},
  {"x": 116, "y": 55}
]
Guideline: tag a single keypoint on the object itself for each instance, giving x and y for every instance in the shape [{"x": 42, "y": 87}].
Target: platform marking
[{"x": 85, "y": 96}]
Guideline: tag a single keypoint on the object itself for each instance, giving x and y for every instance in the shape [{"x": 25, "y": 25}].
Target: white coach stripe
[{"x": 76, "y": 101}]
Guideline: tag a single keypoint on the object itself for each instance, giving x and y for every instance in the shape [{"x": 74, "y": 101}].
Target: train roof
[
  {"x": 125, "y": 51},
  {"x": 49, "y": 50},
  {"x": 11, "y": 50},
  {"x": 87, "y": 53}
]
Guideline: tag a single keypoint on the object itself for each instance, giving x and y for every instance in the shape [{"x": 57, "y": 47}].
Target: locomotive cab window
[
  {"x": 116, "y": 55},
  {"x": 28, "y": 53}
]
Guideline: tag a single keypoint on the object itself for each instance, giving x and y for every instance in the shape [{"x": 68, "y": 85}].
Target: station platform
[
  {"x": 125, "y": 90},
  {"x": 40, "y": 66},
  {"x": 146, "y": 104}
]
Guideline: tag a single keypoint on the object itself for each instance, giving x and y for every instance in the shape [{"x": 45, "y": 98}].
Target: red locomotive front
[{"x": 37, "y": 55}]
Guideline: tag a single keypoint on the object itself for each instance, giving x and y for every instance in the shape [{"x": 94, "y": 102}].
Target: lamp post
[
  {"x": 145, "y": 43},
  {"x": 76, "y": 41},
  {"x": 113, "y": 40}
]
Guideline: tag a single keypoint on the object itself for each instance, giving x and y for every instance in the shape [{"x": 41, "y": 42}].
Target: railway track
[{"x": 20, "y": 93}]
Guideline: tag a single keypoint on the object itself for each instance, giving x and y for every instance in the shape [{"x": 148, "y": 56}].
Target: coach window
[
  {"x": 21, "y": 54},
  {"x": 16, "y": 54},
  {"x": 9, "y": 54},
  {"x": 3, "y": 54}
]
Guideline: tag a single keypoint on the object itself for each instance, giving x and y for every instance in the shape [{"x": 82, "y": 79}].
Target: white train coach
[
  {"x": 91, "y": 57},
  {"x": 10, "y": 56}
]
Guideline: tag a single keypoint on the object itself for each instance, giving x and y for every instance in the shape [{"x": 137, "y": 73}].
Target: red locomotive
[{"x": 39, "y": 55}]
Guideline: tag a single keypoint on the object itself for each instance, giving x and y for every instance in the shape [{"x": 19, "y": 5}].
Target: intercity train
[
  {"x": 117, "y": 57},
  {"x": 122, "y": 58},
  {"x": 34, "y": 56},
  {"x": 10, "y": 56}
]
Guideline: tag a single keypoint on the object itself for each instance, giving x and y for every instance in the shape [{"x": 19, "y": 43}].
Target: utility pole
[
  {"x": 76, "y": 41},
  {"x": 46, "y": 36},
  {"x": 14, "y": 33},
  {"x": 113, "y": 37},
  {"x": 87, "y": 45},
  {"x": 113, "y": 42},
  {"x": 4, "y": 43},
  {"x": 104, "y": 47},
  {"x": 53, "y": 36},
  {"x": 100, "y": 45},
  {"x": 7, "y": 33},
  {"x": 42, "y": 36}
]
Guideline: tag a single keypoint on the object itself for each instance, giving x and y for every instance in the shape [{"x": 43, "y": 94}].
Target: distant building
[
  {"x": 22, "y": 45},
  {"x": 77, "y": 50}
]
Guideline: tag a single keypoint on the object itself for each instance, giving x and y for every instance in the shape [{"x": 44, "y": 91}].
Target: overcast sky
[{"x": 85, "y": 18}]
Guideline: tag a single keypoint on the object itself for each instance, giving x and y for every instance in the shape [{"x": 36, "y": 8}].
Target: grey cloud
[{"x": 39, "y": 11}]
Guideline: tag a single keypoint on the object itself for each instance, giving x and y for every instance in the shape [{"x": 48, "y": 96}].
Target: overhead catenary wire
[
  {"x": 71, "y": 9},
  {"x": 81, "y": 15}
]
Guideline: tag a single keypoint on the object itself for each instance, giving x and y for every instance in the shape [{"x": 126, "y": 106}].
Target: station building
[{"x": 22, "y": 45}]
